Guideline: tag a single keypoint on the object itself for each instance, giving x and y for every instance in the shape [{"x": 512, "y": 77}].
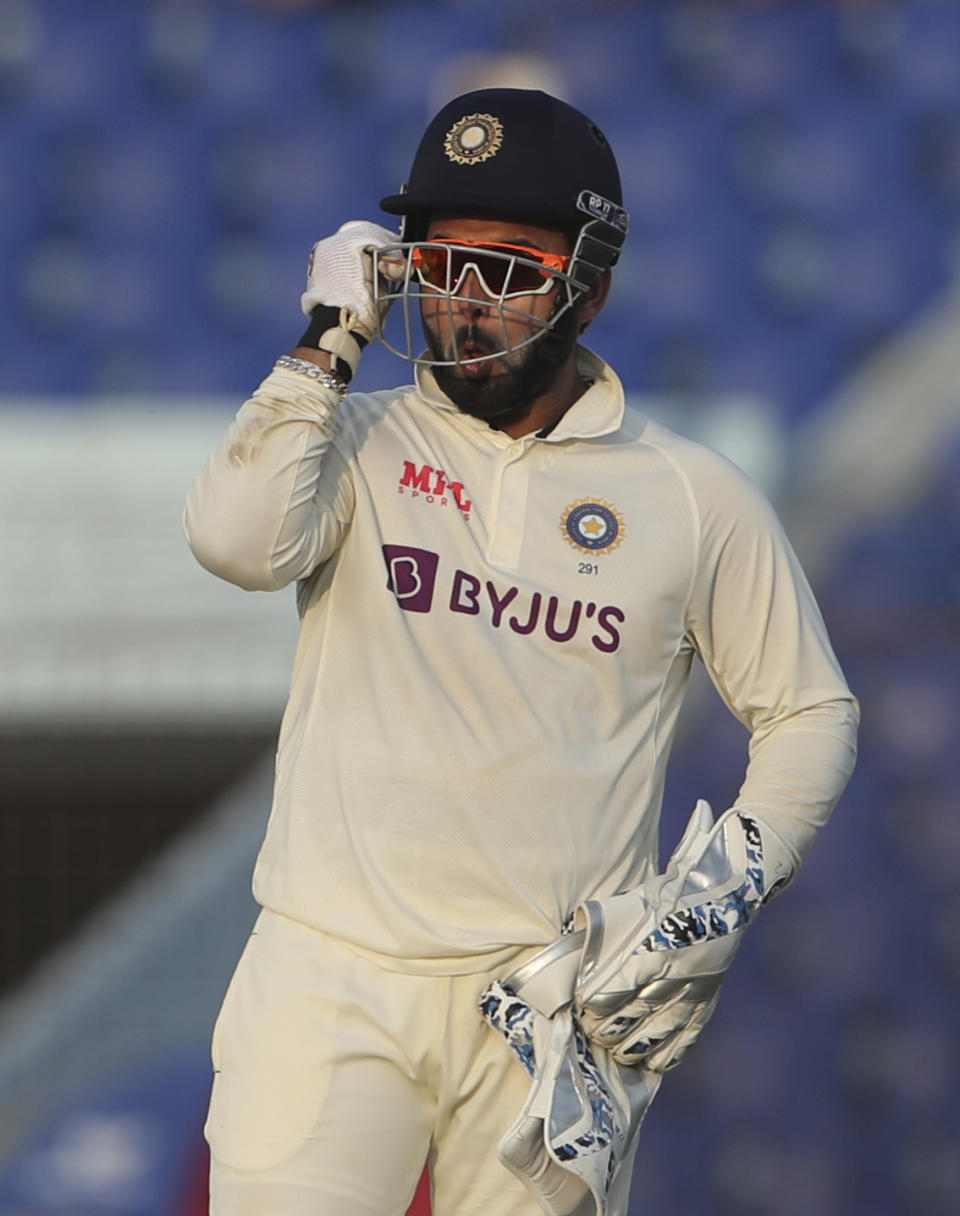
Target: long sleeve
[
  {"x": 273, "y": 501},
  {"x": 757, "y": 627}
]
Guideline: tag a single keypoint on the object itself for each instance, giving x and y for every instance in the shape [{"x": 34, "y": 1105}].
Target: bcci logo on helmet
[{"x": 473, "y": 139}]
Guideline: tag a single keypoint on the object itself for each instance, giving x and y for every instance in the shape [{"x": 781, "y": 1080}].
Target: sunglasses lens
[
  {"x": 517, "y": 276},
  {"x": 431, "y": 262}
]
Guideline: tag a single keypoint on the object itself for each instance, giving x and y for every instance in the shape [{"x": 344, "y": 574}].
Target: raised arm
[{"x": 274, "y": 499}]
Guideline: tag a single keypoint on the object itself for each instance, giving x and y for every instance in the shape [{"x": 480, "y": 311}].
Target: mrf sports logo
[
  {"x": 434, "y": 486},
  {"x": 412, "y": 577}
]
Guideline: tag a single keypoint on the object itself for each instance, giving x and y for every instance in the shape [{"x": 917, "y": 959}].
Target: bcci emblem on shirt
[{"x": 593, "y": 525}]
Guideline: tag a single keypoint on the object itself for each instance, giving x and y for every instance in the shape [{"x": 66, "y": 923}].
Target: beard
[{"x": 506, "y": 395}]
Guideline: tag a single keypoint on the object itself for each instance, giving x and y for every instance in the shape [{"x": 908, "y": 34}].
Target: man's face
[{"x": 468, "y": 324}]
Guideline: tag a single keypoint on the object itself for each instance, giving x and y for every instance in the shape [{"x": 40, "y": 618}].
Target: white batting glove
[
  {"x": 339, "y": 296},
  {"x": 654, "y": 957}
]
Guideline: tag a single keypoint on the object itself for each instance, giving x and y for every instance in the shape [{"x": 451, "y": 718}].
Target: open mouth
[
  {"x": 473, "y": 350},
  {"x": 478, "y": 369}
]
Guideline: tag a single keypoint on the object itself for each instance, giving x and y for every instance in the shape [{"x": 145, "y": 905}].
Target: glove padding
[
  {"x": 340, "y": 289},
  {"x": 574, "y": 1141},
  {"x": 654, "y": 957}
]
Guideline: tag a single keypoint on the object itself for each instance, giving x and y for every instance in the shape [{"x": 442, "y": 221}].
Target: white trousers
[{"x": 335, "y": 1080}]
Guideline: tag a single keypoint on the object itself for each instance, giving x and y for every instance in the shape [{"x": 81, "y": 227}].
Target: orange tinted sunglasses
[{"x": 444, "y": 262}]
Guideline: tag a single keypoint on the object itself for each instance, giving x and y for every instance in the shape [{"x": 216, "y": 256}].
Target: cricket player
[{"x": 503, "y": 576}]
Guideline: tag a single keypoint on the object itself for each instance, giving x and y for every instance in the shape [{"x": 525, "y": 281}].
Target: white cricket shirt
[{"x": 495, "y": 638}]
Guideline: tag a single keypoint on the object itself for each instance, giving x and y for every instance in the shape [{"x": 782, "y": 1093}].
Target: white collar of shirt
[{"x": 599, "y": 411}]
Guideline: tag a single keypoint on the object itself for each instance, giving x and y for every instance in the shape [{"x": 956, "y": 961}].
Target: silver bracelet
[{"x": 304, "y": 367}]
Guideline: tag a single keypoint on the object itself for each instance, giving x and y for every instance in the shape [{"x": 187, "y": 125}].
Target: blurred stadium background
[{"x": 789, "y": 294}]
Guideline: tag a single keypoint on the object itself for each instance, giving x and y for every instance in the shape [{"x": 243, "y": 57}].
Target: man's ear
[{"x": 594, "y": 298}]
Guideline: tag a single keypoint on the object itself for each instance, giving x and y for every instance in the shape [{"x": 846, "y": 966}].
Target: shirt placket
[{"x": 509, "y": 493}]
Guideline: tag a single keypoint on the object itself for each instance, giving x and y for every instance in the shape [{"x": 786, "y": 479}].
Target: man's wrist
[
  {"x": 312, "y": 371},
  {"x": 328, "y": 332},
  {"x": 322, "y": 358}
]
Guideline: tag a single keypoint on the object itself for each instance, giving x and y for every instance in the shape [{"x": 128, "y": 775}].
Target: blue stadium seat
[{"x": 752, "y": 142}]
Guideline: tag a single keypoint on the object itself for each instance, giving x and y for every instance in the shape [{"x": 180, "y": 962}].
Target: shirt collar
[{"x": 599, "y": 411}]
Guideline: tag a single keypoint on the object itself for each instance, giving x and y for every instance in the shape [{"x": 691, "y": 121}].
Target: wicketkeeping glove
[
  {"x": 654, "y": 957},
  {"x": 575, "y": 1139},
  {"x": 339, "y": 295}
]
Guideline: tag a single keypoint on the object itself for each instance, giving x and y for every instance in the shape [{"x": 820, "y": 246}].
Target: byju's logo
[{"x": 411, "y": 576}]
